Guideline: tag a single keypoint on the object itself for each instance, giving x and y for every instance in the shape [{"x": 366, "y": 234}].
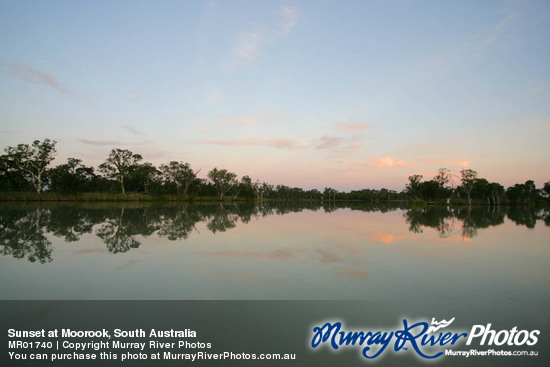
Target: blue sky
[{"x": 347, "y": 94}]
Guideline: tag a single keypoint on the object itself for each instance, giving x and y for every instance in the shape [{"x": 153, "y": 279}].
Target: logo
[{"x": 428, "y": 341}]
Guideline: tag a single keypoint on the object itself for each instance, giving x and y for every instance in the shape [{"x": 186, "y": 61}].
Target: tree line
[{"x": 26, "y": 167}]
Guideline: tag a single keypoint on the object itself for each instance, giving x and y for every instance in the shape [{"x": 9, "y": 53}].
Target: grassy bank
[{"x": 106, "y": 197}]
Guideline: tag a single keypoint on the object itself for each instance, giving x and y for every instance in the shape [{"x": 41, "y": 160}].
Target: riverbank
[
  {"x": 140, "y": 197},
  {"x": 98, "y": 196}
]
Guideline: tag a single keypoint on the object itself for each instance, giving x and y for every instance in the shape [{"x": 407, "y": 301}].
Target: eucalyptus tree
[
  {"x": 523, "y": 193},
  {"x": 330, "y": 194},
  {"x": 181, "y": 174},
  {"x": 223, "y": 181},
  {"x": 413, "y": 187},
  {"x": 262, "y": 190},
  {"x": 142, "y": 174},
  {"x": 72, "y": 176},
  {"x": 119, "y": 164},
  {"x": 246, "y": 187},
  {"x": 443, "y": 177},
  {"x": 468, "y": 179},
  {"x": 32, "y": 160},
  {"x": 11, "y": 177}
]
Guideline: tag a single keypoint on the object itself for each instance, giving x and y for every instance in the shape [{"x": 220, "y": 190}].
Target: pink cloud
[
  {"x": 111, "y": 142},
  {"x": 388, "y": 238},
  {"x": 284, "y": 143},
  {"x": 459, "y": 163},
  {"x": 330, "y": 142},
  {"x": 27, "y": 73},
  {"x": 388, "y": 162},
  {"x": 232, "y": 142},
  {"x": 280, "y": 143}
]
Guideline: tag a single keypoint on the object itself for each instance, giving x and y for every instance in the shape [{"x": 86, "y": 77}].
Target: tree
[
  {"x": 330, "y": 194},
  {"x": 246, "y": 187},
  {"x": 142, "y": 174},
  {"x": 497, "y": 192},
  {"x": 11, "y": 177},
  {"x": 72, "y": 176},
  {"x": 413, "y": 187},
  {"x": 119, "y": 164},
  {"x": 180, "y": 173},
  {"x": 468, "y": 179},
  {"x": 546, "y": 189},
  {"x": 523, "y": 193},
  {"x": 430, "y": 189},
  {"x": 32, "y": 160},
  {"x": 223, "y": 181},
  {"x": 443, "y": 176}
]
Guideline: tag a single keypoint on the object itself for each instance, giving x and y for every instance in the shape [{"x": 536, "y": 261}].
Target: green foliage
[
  {"x": 180, "y": 174},
  {"x": 468, "y": 179},
  {"x": 413, "y": 187},
  {"x": 32, "y": 160},
  {"x": 223, "y": 181},
  {"x": 24, "y": 168},
  {"x": 119, "y": 164},
  {"x": 71, "y": 177}
]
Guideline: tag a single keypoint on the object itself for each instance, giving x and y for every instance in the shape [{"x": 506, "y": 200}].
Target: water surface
[{"x": 285, "y": 252}]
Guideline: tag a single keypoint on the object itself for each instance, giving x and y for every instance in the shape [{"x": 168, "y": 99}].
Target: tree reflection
[
  {"x": 223, "y": 218},
  {"x": 180, "y": 223},
  {"x": 70, "y": 222},
  {"x": 22, "y": 234},
  {"x": 24, "y": 229},
  {"x": 466, "y": 221},
  {"x": 118, "y": 231}
]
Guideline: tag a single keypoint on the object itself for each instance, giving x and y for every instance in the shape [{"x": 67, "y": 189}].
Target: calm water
[{"x": 157, "y": 252}]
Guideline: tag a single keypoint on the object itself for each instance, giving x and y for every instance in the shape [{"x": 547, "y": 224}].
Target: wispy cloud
[
  {"x": 214, "y": 96},
  {"x": 248, "y": 46},
  {"x": 131, "y": 130},
  {"x": 350, "y": 127},
  {"x": 280, "y": 143},
  {"x": 330, "y": 142},
  {"x": 388, "y": 162},
  {"x": 236, "y": 143},
  {"x": 28, "y": 74},
  {"x": 448, "y": 162},
  {"x": 290, "y": 17},
  {"x": 496, "y": 31},
  {"x": 102, "y": 143},
  {"x": 285, "y": 143},
  {"x": 339, "y": 145},
  {"x": 251, "y": 42}
]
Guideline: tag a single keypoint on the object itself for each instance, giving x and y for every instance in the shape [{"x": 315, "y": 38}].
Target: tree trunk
[{"x": 122, "y": 184}]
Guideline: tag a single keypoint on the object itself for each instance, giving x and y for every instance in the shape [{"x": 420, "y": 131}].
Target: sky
[{"x": 314, "y": 94}]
